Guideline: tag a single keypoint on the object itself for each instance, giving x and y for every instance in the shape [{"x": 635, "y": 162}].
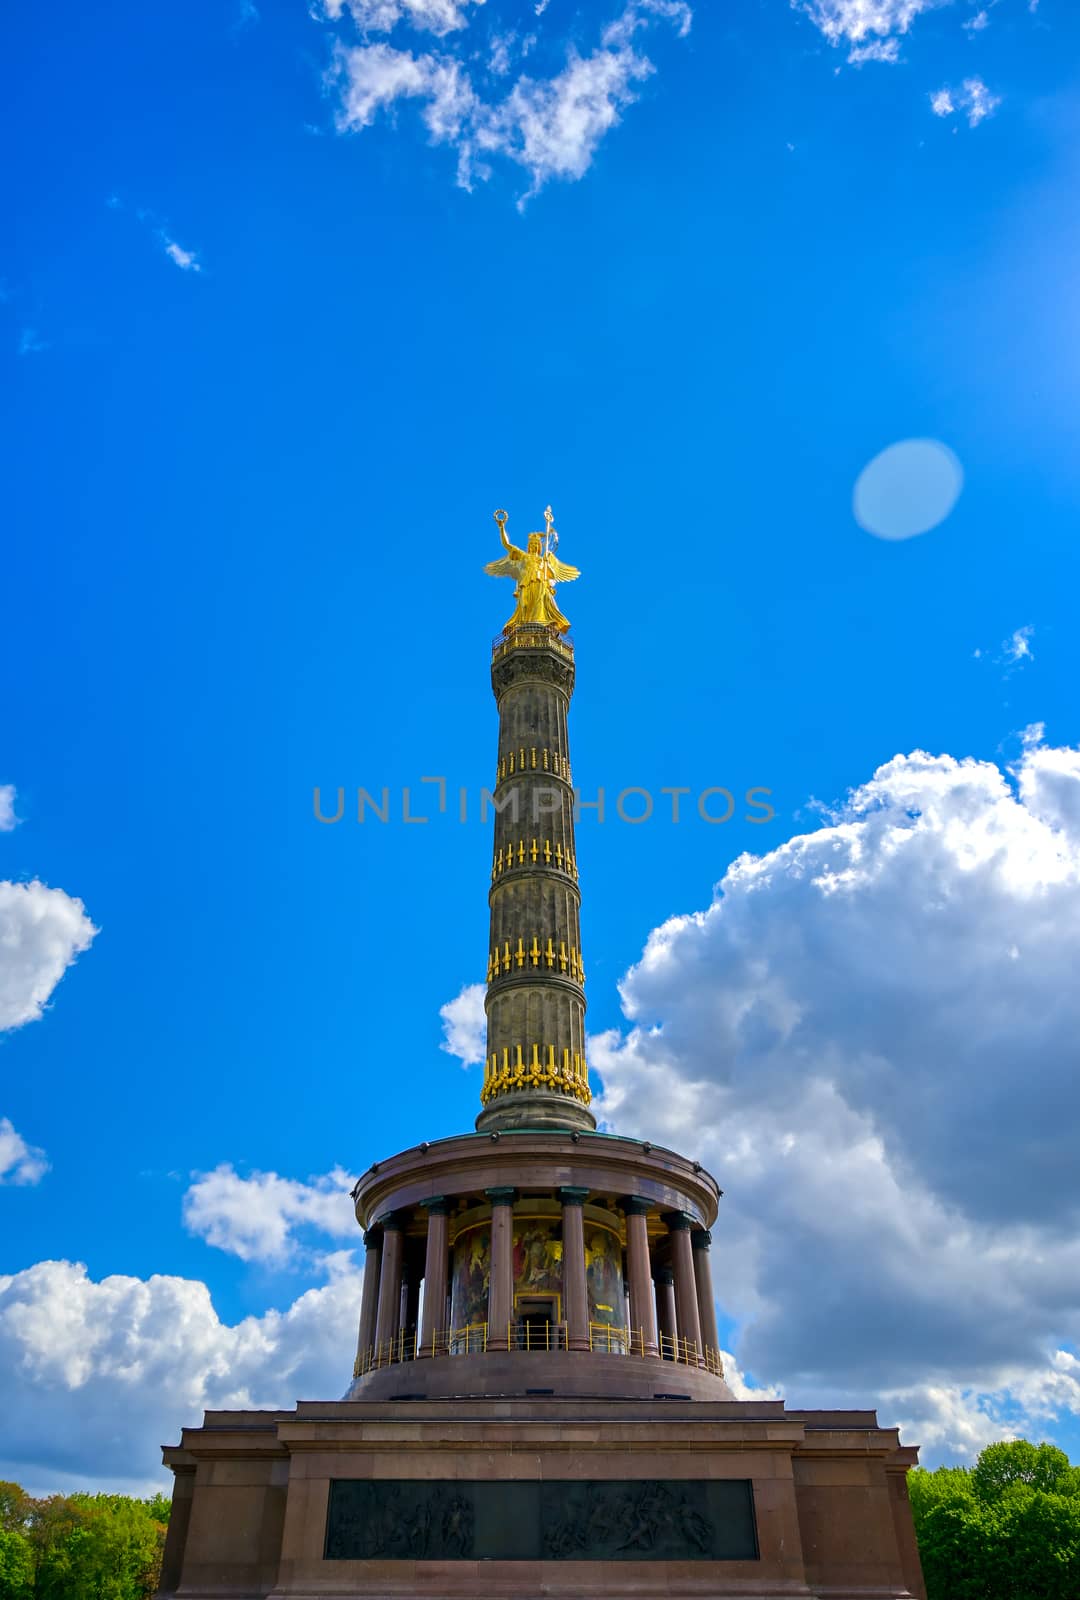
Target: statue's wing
[
  {"x": 506, "y": 567},
  {"x": 561, "y": 571}
]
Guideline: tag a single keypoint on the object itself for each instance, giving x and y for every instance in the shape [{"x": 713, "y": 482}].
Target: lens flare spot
[{"x": 908, "y": 489}]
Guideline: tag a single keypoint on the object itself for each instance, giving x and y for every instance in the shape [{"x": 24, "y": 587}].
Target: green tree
[
  {"x": 159, "y": 1506},
  {"x": 15, "y": 1506},
  {"x": 16, "y": 1565},
  {"x": 1018, "y": 1461},
  {"x": 1037, "y": 1544},
  {"x": 96, "y": 1547},
  {"x": 1008, "y": 1529}
]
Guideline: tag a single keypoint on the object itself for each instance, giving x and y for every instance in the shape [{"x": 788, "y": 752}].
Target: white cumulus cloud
[
  {"x": 549, "y": 125},
  {"x": 96, "y": 1375},
  {"x": 42, "y": 930},
  {"x": 20, "y": 1162},
  {"x": 465, "y": 1025},
  {"x": 258, "y": 1218},
  {"x": 870, "y": 1036}
]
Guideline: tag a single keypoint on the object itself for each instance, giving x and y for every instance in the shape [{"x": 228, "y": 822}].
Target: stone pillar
[
  {"x": 410, "y": 1313},
  {"x": 435, "y": 1261},
  {"x": 501, "y": 1279},
  {"x": 682, "y": 1264},
  {"x": 535, "y": 999},
  {"x": 642, "y": 1307},
  {"x": 388, "y": 1317},
  {"x": 665, "y": 1304},
  {"x": 701, "y": 1239},
  {"x": 369, "y": 1296},
  {"x": 575, "y": 1284},
  {"x": 172, "y": 1560}
]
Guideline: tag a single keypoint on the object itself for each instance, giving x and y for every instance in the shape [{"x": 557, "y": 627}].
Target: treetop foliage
[
  {"x": 1006, "y": 1529},
  {"x": 80, "y": 1546}
]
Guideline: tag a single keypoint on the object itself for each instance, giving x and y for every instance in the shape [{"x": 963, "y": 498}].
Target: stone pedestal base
[{"x": 632, "y": 1499}]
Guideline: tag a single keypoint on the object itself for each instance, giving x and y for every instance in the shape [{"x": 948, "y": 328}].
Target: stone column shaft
[
  {"x": 387, "y": 1321},
  {"x": 501, "y": 1279},
  {"x": 535, "y": 1072},
  {"x": 642, "y": 1305},
  {"x": 575, "y": 1284},
  {"x": 369, "y": 1296},
  {"x": 682, "y": 1265},
  {"x": 410, "y": 1313},
  {"x": 665, "y": 1303},
  {"x": 435, "y": 1264},
  {"x": 706, "y": 1299}
]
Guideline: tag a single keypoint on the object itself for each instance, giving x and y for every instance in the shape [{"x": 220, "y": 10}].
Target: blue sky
[{"x": 293, "y": 298}]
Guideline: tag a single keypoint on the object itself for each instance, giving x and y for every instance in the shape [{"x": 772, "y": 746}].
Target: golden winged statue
[{"x": 536, "y": 570}]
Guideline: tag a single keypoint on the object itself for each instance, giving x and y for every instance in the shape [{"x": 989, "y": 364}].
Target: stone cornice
[{"x": 471, "y": 1163}]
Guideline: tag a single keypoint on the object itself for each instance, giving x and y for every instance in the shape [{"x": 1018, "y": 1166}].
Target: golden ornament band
[
  {"x": 533, "y": 760},
  {"x": 535, "y": 1067},
  {"x": 538, "y": 852},
  {"x": 568, "y": 962}
]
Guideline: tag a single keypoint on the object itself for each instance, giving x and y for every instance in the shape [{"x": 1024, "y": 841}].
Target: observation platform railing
[
  {"x": 479, "y": 1338},
  {"x": 531, "y": 636}
]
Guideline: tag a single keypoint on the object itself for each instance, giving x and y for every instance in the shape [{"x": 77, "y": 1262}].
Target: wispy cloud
[
  {"x": 1017, "y": 646},
  {"x": 31, "y": 343},
  {"x": 872, "y": 29},
  {"x": 186, "y": 260},
  {"x": 973, "y": 98},
  {"x": 977, "y": 23},
  {"x": 551, "y": 126},
  {"x": 876, "y": 50},
  {"x": 1013, "y": 652},
  {"x": 8, "y": 818},
  {"x": 439, "y": 17}
]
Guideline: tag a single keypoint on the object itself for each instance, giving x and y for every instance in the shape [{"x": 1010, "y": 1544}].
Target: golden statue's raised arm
[
  {"x": 508, "y": 566},
  {"x": 536, "y": 571}
]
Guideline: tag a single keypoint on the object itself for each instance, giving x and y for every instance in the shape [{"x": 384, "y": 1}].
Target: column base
[{"x": 536, "y": 1109}]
